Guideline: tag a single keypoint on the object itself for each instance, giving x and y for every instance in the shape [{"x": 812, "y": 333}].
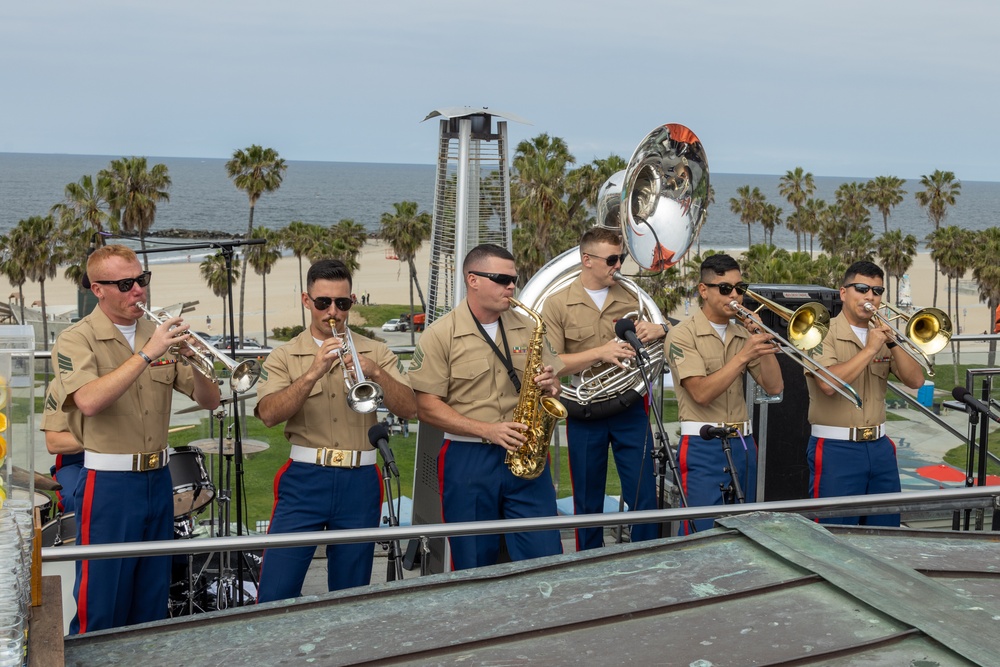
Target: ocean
[{"x": 203, "y": 198}]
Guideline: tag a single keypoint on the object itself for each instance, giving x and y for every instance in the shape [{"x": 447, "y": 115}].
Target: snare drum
[
  {"x": 44, "y": 506},
  {"x": 61, "y": 530},
  {"x": 193, "y": 489}
]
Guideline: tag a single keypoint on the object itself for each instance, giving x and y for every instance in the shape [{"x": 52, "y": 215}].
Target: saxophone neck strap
[{"x": 505, "y": 355}]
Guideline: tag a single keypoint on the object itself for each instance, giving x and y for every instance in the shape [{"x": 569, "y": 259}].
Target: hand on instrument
[
  {"x": 170, "y": 332},
  {"x": 327, "y": 354},
  {"x": 548, "y": 382},
  {"x": 614, "y": 351},
  {"x": 647, "y": 331},
  {"x": 759, "y": 345},
  {"x": 877, "y": 337},
  {"x": 506, "y": 434}
]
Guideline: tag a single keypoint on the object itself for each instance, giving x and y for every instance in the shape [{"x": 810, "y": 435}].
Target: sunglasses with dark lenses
[
  {"x": 861, "y": 288},
  {"x": 125, "y": 284},
  {"x": 324, "y": 302},
  {"x": 498, "y": 278},
  {"x": 725, "y": 288},
  {"x": 612, "y": 259}
]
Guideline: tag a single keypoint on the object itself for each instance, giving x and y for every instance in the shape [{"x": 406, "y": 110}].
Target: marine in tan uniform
[
  {"x": 330, "y": 481},
  {"x": 580, "y": 321},
  {"x": 116, "y": 368},
  {"x": 62, "y": 444},
  {"x": 849, "y": 452},
  {"x": 708, "y": 356},
  {"x": 465, "y": 371}
]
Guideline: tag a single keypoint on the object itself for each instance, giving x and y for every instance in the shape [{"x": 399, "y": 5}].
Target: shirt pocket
[
  {"x": 881, "y": 369},
  {"x": 578, "y": 334},
  {"x": 472, "y": 381},
  {"x": 162, "y": 385}
]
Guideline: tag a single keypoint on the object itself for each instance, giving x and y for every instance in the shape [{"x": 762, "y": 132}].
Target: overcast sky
[{"x": 854, "y": 88}]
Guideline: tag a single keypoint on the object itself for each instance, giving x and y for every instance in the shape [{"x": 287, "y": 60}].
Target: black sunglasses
[
  {"x": 725, "y": 288},
  {"x": 861, "y": 288},
  {"x": 343, "y": 303},
  {"x": 611, "y": 259},
  {"x": 125, "y": 284},
  {"x": 498, "y": 278}
]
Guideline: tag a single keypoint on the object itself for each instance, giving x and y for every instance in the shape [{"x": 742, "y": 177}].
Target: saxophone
[{"x": 535, "y": 410}]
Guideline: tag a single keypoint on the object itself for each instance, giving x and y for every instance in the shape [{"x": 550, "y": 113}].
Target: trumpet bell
[
  {"x": 929, "y": 329},
  {"x": 364, "y": 397},
  {"x": 244, "y": 376}
]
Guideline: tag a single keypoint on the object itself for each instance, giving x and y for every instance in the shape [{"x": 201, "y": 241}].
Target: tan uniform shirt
[
  {"x": 53, "y": 418},
  {"x": 454, "y": 362},
  {"x": 840, "y": 345},
  {"x": 574, "y": 323},
  {"x": 694, "y": 349},
  {"x": 138, "y": 421},
  {"x": 325, "y": 419}
]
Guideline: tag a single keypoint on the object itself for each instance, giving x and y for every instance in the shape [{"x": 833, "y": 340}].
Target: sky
[{"x": 854, "y": 88}]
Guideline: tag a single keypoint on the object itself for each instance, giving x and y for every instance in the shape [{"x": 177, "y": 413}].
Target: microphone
[
  {"x": 709, "y": 432},
  {"x": 378, "y": 435},
  {"x": 963, "y": 395},
  {"x": 625, "y": 329}
]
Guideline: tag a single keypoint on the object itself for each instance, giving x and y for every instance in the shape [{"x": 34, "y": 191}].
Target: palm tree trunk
[
  {"x": 935, "y": 283},
  {"x": 145, "y": 265},
  {"x": 413, "y": 279},
  {"x": 45, "y": 319},
  {"x": 302, "y": 288},
  {"x": 243, "y": 275},
  {"x": 749, "y": 242},
  {"x": 992, "y": 355},
  {"x": 20, "y": 294},
  {"x": 413, "y": 335},
  {"x": 263, "y": 278}
]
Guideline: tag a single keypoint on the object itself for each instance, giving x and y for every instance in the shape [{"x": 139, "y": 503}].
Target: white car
[{"x": 392, "y": 325}]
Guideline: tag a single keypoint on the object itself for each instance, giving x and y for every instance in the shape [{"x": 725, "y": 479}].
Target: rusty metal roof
[{"x": 763, "y": 589}]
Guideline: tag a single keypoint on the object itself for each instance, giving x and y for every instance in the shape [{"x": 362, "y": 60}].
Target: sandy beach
[{"x": 385, "y": 279}]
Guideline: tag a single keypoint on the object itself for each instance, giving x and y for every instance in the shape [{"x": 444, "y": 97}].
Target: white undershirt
[
  {"x": 861, "y": 333},
  {"x": 720, "y": 329},
  {"x": 129, "y": 333},
  {"x": 491, "y": 329},
  {"x": 599, "y": 296}
]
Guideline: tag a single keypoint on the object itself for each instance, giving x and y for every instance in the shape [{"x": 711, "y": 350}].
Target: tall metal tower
[
  {"x": 471, "y": 197},
  {"x": 471, "y": 206}
]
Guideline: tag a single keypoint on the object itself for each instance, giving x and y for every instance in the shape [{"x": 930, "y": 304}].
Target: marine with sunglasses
[
  {"x": 849, "y": 452},
  {"x": 117, "y": 369},
  {"x": 467, "y": 372},
  {"x": 330, "y": 481},
  {"x": 708, "y": 356},
  {"x": 580, "y": 324}
]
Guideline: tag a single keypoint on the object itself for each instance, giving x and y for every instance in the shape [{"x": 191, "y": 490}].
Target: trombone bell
[
  {"x": 929, "y": 329},
  {"x": 808, "y": 325}
]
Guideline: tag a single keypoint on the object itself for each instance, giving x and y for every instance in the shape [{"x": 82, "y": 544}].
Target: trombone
[
  {"x": 363, "y": 395},
  {"x": 242, "y": 375},
  {"x": 927, "y": 331},
  {"x": 807, "y": 327}
]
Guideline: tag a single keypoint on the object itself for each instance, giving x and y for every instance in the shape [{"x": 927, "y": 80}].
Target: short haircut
[
  {"x": 717, "y": 265},
  {"x": 101, "y": 255},
  {"x": 328, "y": 269},
  {"x": 596, "y": 235},
  {"x": 862, "y": 268},
  {"x": 483, "y": 252}
]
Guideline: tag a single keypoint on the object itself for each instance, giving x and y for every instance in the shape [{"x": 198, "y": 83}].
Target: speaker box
[{"x": 783, "y": 438}]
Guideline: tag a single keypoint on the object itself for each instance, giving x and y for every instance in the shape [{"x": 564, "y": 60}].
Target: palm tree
[
  {"x": 851, "y": 200},
  {"x": 896, "y": 253},
  {"x": 584, "y": 183},
  {"x": 34, "y": 245},
  {"x": 770, "y": 218},
  {"x": 262, "y": 257},
  {"x": 133, "y": 191},
  {"x": 884, "y": 193},
  {"x": 216, "y": 274},
  {"x": 952, "y": 248},
  {"x": 254, "y": 170},
  {"x": 301, "y": 239},
  {"x": 796, "y": 187},
  {"x": 749, "y": 205},
  {"x": 986, "y": 272},
  {"x": 940, "y": 191},
  {"x": 406, "y": 230},
  {"x": 810, "y": 218},
  {"x": 764, "y": 263},
  {"x": 86, "y": 201},
  {"x": 351, "y": 237},
  {"x": 12, "y": 269}
]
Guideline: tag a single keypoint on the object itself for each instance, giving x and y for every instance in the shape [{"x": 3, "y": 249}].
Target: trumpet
[
  {"x": 242, "y": 375},
  {"x": 927, "y": 331},
  {"x": 807, "y": 327},
  {"x": 363, "y": 395}
]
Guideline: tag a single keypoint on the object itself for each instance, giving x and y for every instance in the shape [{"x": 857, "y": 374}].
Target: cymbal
[
  {"x": 224, "y": 401},
  {"x": 211, "y": 446}
]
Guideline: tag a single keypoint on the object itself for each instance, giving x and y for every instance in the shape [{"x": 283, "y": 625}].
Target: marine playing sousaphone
[{"x": 658, "y": 203}]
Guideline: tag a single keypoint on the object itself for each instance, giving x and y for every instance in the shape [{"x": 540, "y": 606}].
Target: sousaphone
[{"x": 658, "y": 204}]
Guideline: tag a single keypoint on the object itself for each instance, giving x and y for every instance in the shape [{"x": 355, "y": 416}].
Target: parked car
[
  {"x": 246, "y": 344},
  {"x": 395, "y": 324}
]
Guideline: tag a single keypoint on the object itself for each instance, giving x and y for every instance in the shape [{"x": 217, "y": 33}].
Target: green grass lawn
[{"x": 259, "y": 469}]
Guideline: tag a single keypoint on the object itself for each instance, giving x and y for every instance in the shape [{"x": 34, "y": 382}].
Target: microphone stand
[
  {"x": 734, "y": 490},
  {"x": 662, "y": 449},
  {"x": 974, "y": 419},
  {"x": 394, "y": 568}
]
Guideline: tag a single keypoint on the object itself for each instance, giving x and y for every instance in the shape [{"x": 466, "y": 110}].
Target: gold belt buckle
[
  {"x": 736, "y": 425},
  {"x": 866, "y": 434},
  {"x": 147, "y": 461},
  {"x": 330, "y": 457}
]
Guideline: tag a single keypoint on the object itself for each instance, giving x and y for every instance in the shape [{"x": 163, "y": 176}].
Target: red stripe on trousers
[{"x": 84, "y": 539}]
